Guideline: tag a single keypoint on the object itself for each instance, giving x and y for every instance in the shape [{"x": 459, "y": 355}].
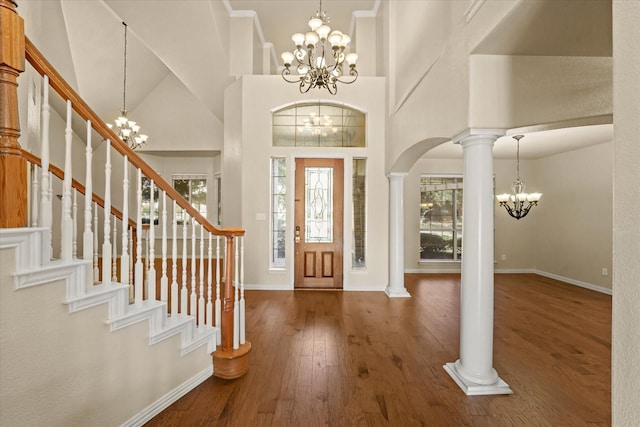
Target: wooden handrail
[
  {"x": 43, "y": 67},
  {"x": 31, "y": 158}
]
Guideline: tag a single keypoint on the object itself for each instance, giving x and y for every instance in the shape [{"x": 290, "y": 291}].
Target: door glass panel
[{"x": 318, "y": 210}]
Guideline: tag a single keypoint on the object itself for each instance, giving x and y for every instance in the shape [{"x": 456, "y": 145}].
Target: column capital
[
  {"x": 478, "y": 134},
  {"x": 396, "y": 175}
]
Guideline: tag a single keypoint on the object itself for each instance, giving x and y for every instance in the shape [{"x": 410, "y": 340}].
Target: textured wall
[
  {"x": 626, "y": 239},
  {"x": 67, "y": 369}
]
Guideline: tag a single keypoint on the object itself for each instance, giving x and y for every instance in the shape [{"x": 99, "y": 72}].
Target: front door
[{"x": 318, "y": 223}]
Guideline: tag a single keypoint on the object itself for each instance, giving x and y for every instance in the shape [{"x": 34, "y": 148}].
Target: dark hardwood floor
[{"x": 360, "y": 359}]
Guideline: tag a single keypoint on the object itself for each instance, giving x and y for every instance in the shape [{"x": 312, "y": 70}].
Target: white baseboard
[
  {"x": 277, "y": 287},
  {"x": 431, "y": 270},
  {"x": 575, "y": 282},
  {"x": 568, "y": 280},
  {"x": 165, "y": 401}
]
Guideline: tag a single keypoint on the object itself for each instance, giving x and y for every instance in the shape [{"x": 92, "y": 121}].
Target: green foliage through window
[{"x": 440, "y": 218}]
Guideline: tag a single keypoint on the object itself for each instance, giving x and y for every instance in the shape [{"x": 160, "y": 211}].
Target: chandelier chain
[{"x": 124, "y": 86}]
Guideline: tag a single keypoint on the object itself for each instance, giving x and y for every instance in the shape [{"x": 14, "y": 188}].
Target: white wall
[
  {"x": 67, "y": 369},
  {"x": 569, "y": 234},
  {"x": 250, "y": 103},
  {"x": 573, "y": 226},
  {"x": 512, "y": 91},
  {"x": 428, "y": 67},
  {"x": 626, "y": 238}
]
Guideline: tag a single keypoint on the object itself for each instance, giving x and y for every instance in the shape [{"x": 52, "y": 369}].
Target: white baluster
[
  {"x": 87, "y": 236},
  {"x": 139, "y": 273},
  {"x": 45, "y": 198},
  {"x": 164, "y": 281},
  {"x": 106, "y": 238},
  {"x": 201, "y": 274},
  {"x": 131, "y": 295},
  {"x": 114, "y": 257},
  {"x": 236, "y": 303},
  {"x": 174, "y": 263},
  {"x": 96, "y": 270},
  {"x": 242, "y": 314},
  {"x": 151, "y": 278},
  {"x": 193, "y": 307},
  {"x": 209, "y": 310},
  {"x": 74, "y": 228},
  {"x": 34, "y": 196},
  {"x": 218, "y": 302},
  {"x": 183, "y": 290},
  {"x": 124, "y": 257},
  {"x": 66, "y": 221}
]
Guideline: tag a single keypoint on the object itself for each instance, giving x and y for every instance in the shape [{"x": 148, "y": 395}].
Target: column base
[
  {"x": 230, "y": 364},
  {"x": 473, "y": 389},
  {"x": 397, "y": 293}
]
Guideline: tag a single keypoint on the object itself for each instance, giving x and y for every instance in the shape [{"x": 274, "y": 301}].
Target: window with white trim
[{"x": 440, "y": 218}]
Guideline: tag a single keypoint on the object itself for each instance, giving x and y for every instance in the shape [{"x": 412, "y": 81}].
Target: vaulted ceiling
[{"x": 178, "y": 50}]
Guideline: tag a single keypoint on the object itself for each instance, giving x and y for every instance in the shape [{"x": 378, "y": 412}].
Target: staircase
[{"x": 74, "y": 353}]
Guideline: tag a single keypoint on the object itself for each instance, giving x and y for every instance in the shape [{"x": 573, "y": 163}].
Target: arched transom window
[{"x": 319, "y": 124}]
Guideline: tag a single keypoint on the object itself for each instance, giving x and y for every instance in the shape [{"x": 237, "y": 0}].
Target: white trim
[
  {"x": 431, "y": 270},
  {"x": 575, "y": 282},
  {"x": 473, "y": 389},
  {"x": 563, "y": 279},
  {"x": 165, "y": 401},
  {"x": 515, "y": 271},
  {"x": 270, "y": 287}
]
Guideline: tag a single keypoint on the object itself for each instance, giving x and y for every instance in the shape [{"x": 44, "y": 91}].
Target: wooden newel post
[
  {"x": 230, "y": 363},
  {"x": 13, "y": 167},
  {"x": 228, "y": 300}
]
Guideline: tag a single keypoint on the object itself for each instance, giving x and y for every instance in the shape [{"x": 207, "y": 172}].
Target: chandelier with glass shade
[
  {"x": 518, "y": 204},
  {"x": 127, "y": 130},
  {"x": 320, "y": 56}
]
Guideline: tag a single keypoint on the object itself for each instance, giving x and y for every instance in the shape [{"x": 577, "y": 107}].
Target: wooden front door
[{"x": 318, "y": 223}]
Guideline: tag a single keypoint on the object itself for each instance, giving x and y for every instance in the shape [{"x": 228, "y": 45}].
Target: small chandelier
[
  {"x": 313, "y": 67},
  {"x": 318, "y": 126},
  {"x": 128, "y": 130},
  {"x": 517, "y": 208}
]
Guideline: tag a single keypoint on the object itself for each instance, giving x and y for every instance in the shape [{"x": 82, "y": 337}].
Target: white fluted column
[
  {"x": 396, "y": 287},
  {"x": 474, "y": 371}
]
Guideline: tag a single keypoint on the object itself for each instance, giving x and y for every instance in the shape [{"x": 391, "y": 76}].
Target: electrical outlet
[
  {"x": 503, "y": 257},
  {"x": 605, "y": 272}
]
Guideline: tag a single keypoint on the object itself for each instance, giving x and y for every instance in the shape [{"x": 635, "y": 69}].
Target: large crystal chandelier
[
  {"x": 126, "y": 129},
  {"x": 521, "y": 202},
  {"x": 315, "y": 66}
]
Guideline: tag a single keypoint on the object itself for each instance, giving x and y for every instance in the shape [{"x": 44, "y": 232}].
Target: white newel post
[
  {"x": 396, "y": 287},
  {"x": 474, "y": 371},
  {"x": 87, "y": 235}
]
